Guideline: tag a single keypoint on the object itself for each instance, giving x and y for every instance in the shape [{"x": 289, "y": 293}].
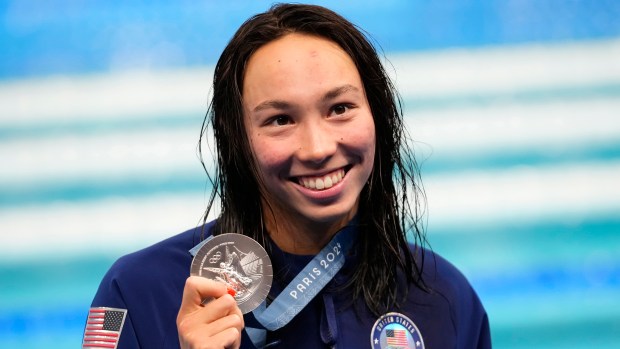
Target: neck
[{"x": 299, "y": 236}]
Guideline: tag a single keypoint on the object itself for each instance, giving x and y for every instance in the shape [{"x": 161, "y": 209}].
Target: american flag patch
[
  {"x": 103, "y": 327},
  {"x": 397, "y": 338}
]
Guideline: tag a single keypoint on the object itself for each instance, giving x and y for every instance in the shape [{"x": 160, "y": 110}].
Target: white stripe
[
  {"x": 106, "y": 226},
  {"x": 523, "y": 194},
  {"x": 548, "y": 127},
  {"x": 135, "y": 95},
  {"x": 502, "y": 69},
  {"x": 149, "y": 154}
]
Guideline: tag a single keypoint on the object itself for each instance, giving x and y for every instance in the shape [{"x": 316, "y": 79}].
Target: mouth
[{"x": 322, "y": 182}]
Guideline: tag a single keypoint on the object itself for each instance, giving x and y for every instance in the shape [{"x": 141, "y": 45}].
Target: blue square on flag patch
[{"x": 103, "y": 327}]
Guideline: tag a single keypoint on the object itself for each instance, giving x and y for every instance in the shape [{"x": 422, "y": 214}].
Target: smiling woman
[
  {"x": 308, "y": 121},
  {"x": 313, "y": 163}
]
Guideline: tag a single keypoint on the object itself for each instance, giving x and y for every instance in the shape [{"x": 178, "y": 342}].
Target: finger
[
  {"x": 229, "y": 339},
  {"x": 229, "y": 290},
  {"x": 198, "y": 337},
  {"x": 219, "y": 308},
  {"x": 196, "y": 290},
  {"x": 223, "y": 324},
  {"x": 238, "y": 312},
  {"x": 213, "y": 311}
]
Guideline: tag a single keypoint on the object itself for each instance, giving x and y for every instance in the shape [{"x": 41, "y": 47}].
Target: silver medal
[{"x": 239, "y": 262}]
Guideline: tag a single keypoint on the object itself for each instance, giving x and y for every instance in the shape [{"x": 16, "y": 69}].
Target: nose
[{"x": 317, "y": 143}]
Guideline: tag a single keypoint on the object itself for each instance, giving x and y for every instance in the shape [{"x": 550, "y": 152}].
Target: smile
[{"x": 322, "y": 182}]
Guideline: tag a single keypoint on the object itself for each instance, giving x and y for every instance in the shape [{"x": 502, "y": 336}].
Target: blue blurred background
[{"x": 514, "y": 106}]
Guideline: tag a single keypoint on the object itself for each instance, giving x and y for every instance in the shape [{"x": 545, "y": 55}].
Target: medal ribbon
[{"x": 307, "y": 284}]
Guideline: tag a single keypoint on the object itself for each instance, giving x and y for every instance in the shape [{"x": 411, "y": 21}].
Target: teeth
[
  {"x": 328, "y": 182},
  {"x": 319, "y": 184},
  {"x": 325, "y": 182}
]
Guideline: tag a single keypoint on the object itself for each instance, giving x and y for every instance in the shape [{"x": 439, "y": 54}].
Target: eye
[
  {"x": 279, "y": 120},
  {"x": 340, "y": 109}
]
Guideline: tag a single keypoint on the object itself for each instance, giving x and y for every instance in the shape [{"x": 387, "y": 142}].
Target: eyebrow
[
  {"x": 331, "y": 94},
  {"x": 335, "y": 92},
  {"x": 276, "y": 104}
]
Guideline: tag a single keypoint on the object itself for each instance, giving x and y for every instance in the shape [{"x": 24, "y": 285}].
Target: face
[{"x": 310, "y": 128}]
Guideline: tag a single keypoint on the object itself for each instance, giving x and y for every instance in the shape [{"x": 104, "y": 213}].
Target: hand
[{"x": 216, "y": 324}]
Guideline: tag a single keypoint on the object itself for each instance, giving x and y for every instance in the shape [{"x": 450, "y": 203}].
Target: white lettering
[{"x": 337, "y": 249}]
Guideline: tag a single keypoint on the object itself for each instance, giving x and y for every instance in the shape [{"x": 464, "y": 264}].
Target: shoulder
[
  {"x": 441, "y": 275},
  {"x": 168, "y": 259},
  {"x": 446, "y": 280},
  {"x": 170, "y": 248},
  {"x": 147, "y": 285},
  {"x": 447, "y": 285},
  {"x": 160, "y": 256}
]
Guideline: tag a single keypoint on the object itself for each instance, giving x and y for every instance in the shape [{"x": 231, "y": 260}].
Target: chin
[{"x": 330, "y": 215}]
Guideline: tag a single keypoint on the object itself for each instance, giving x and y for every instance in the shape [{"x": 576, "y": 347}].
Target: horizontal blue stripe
[
  {"x": 550, "y": 280},
  {"x": 59, "y": 128},
  {"x": 530, "y": 257},
  {"x": 568, "y": 332},
  {"x": 31, "y": 193},
  {"x": 530, "y": 96},
  {"x": 54, "y": 327},
  {"x": 67, "y": 38},
  {"x": 507, "y": 158},
  {"x": 68, "y": 281}
]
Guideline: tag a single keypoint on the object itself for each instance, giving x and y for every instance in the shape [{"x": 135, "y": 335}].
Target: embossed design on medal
[{"x": 239, "y": 262}]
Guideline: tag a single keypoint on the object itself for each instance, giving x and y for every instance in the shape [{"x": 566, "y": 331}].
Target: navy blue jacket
[{"x": 149, "y": 285}]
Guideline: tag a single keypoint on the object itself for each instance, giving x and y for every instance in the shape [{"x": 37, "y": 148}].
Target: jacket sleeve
[
  {"x": 469, "y": 318},
  {"x": 109, "y": 320},
  {"x": 473, "y": 320},
  {"x": 484, "y": 339}
]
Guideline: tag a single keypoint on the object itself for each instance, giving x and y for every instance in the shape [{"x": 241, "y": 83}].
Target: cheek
[
  {"x": 371, "y": 138},
  {"x": 366, "y": 145},
  {"x": 373, "y": 147},
  {"x": 363, "y": 139},
  {"x": 268, "y": 156}
]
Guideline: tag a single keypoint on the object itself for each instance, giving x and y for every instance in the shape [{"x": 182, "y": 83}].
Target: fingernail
[{"x": 231, "y": 291}]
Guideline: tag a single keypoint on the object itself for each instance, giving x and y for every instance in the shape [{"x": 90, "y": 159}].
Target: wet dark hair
[{"x": 385, "y": 214}]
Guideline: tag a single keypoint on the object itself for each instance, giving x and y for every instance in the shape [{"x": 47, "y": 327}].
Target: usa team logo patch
[{"x": 395, "y": 331}]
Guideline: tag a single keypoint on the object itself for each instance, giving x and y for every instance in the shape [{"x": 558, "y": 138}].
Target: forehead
[
  {"x": 298, "y": 61},
  {"x": 297, "y": 43}
]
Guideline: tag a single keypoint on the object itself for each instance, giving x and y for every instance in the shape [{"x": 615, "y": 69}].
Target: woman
[{"x": 311, "y": 149}]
